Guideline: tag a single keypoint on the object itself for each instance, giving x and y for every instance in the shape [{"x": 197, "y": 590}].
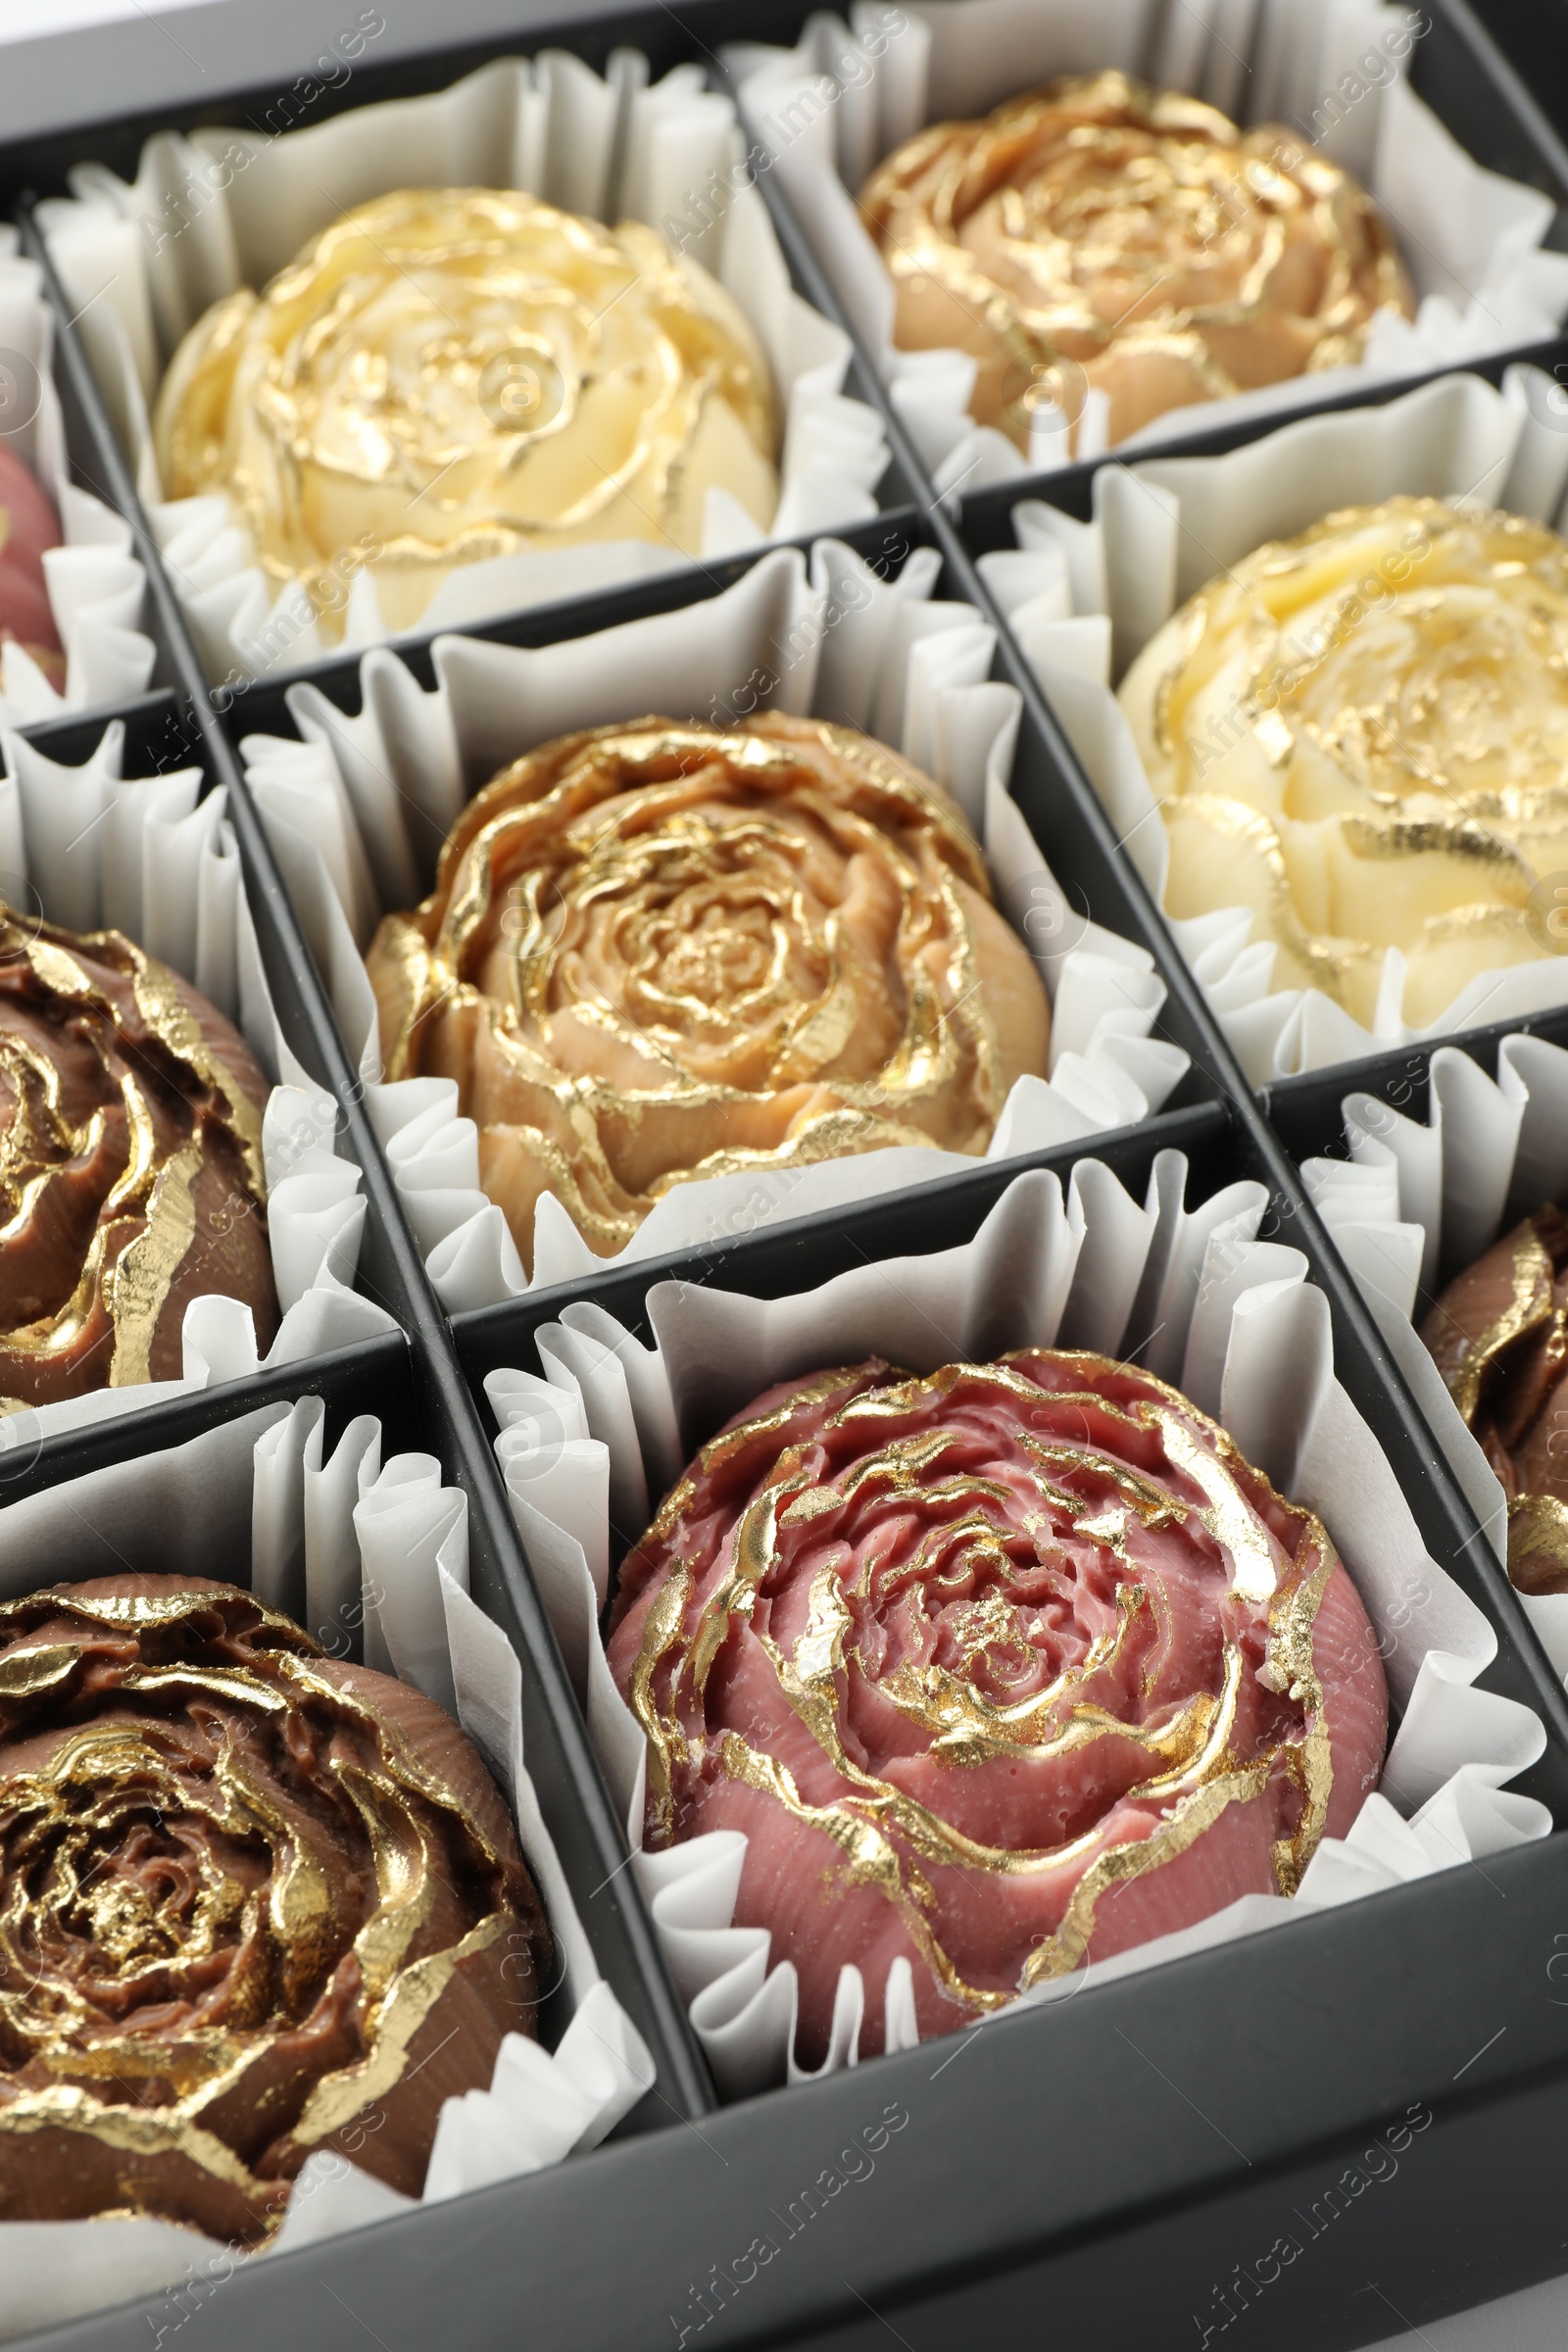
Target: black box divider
[
  {"x": 1306, "y": 1112},
  {"x": 1532, "y": 38},
  {"x": 1113, "y": 2172},
  {"x": 158, "y": 733},
  {"x": 373, "y": 1375},
  {"x": 799, "y": 1254},
  {"x": 571, "y": 1796},
  {"x": 809, "y": 275},
  {"x": 1465, "y": 74},
  {"x": 1472, "y": 74}
]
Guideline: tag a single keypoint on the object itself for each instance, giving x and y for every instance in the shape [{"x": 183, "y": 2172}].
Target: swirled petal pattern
[
  {"x": 254, "y": 1902},
  {"x": 447, "y": 375},
  {"x": 669, "y": 950},
  {"x": 998, "y": 1669},
  {"x": 130, "y": 1165}
]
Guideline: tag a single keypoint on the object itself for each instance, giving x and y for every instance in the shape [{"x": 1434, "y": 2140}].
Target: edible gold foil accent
[
  {"x": 166, "y": 1012},
  {"x": 1537, "y": 1543},
  {"x": 26, "y": 1672},
  {"x": 888, "y": 1840},
  {"x": 1229, "y": 1517},
  {"x": 661, "y": 952},
  {"x": 159, "y": 1605},
  {"x": 1361, "y": 735},
  {"x": 135, "y": 2131},
  {"x": 1528, "y": 1306},
  {"x": 661, "y": 1633},
  {"x": 450, "y": 375},
  {"x": 409, "y": 1999},
  {"x": 141, "y": 1165},
  {"x": 145, "y": 1271},
  {"x": 1097, "y": 232}
]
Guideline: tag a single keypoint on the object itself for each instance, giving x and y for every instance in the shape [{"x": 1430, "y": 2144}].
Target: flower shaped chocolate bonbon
[
  {"x": 255, "y": 1902},
  {"x": 997, "y": 1669},
  {"x": 668, "y": 949},
  {"x": 130, "y": 1165},
  {"x": 1097, "y": 232},
  {"x": 446, "y": 374},
  {"x": 1499, "y": 1333},
  {"x": 1360, "y": 735}
]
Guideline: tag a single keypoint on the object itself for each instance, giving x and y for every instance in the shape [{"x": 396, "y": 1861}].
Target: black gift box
[{"x": 1379, "y": 2090}]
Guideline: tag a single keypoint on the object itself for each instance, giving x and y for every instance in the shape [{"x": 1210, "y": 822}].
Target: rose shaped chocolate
[
  {"x": 255, "y": 1903},
  {"x": 130, "y": 1165},
  {"x": 451, "y": 374},
  {"x": 1095, "y": 233},
  {"x": 995, "y": 1669},
  {"x": 29, "y": 525},
  {"x": 1499, "y": 1335},
  {"x": 1362, "y": 735},
  {"x": 668, "y": 949}
]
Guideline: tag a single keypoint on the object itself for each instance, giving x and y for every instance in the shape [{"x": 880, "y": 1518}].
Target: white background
[{"x": 20, "y": 17}]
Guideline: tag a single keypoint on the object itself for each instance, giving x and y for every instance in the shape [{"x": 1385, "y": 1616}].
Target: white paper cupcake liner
[
  {"x": 88, "y": 848},
  {"x": 1084, "y": 598},
  {"x": 97, "y": 589},
  {"x": 1332, "y": 71},
  {"x": 613, "y": 148},
  {"x": 358, "y": 811},
  {"x": 351, "y": 1548},
  {"x": 588, "y": 1452},
  {"x": 1415, "y": 1205}
]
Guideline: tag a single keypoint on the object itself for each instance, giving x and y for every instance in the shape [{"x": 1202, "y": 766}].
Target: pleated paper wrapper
[
  {"x": 355, "y": 1549},
  {"x": 611, "y": 147},
  {"x": 1084, "y": 598},
  {"x": 1231, "y": 1320},
  {"x": 97, "y": 589},
  {"x": 1332, "y": 71},
  {"x": 1417, "y": 1203},
  {"x": 86, "y": 846},
  {"x": 358, "y": 811}
]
